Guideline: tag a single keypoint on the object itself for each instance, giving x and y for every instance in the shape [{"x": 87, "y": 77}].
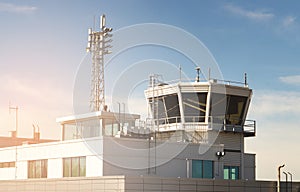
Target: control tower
[{"x": 211, "y": 113}]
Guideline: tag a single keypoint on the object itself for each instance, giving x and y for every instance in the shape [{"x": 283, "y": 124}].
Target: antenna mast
[
  {"x": 98, "y": 45},
  {"x": 16, "y": 108}
]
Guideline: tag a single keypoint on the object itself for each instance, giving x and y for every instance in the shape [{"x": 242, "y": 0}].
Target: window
[
  {"x": 231, "y": 172},
  {"x": 78, "y": 130},
  {"x": 74, "y": 167},
  {"x": 235, "y": 109},
  {"x": 166, "y": 109},
  {"x": 7, "y": 164},
  {"x": 37, "y": 168},
  {"x": 194, "y": 106},
  {"x": 230, "y": 108},
  {"x": 202, "y": 169}
]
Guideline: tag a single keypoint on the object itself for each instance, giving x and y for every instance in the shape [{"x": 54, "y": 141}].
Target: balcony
[{"x": 248, "y": 129}]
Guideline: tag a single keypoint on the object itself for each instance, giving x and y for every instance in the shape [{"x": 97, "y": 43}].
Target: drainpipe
[{"x": 278, "y": 184}]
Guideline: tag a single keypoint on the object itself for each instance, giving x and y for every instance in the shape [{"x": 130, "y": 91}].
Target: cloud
[
  {"x": 260, "y": 15},
  {"x": 277, "y": 117},
  {"x": 293, "y": 79},
  {"x": 8, "y": 7},
  {"x": 288, "y": 21},
  {"x": 275, "y": 103}
]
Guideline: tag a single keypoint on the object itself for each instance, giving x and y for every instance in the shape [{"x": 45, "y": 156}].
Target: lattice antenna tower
[{"x": 98, "y": 46}]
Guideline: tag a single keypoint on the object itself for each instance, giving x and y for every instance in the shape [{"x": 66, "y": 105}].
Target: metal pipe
[
  {"x": 187, "y": 168},
  {"x": 286, "y": 181},
  {"x": 119, "y": 118},
  {"x": 291, "y": 181},
  {"x": 278, "y": 184}
]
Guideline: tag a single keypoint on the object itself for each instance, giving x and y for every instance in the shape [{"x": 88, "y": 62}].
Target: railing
[
  {"x": 195, "y": 123},
  {"x": 250, "y": 127}
]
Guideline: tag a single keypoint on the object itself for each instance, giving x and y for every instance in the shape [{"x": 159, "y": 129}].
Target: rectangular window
[
  {"x": 194, "y": 106},
  {"x": 202, "y": 169},
  {"x": 165, "y": 109},
  {"x": 86, "y": 129},
  {"x": 231, "y": 172},
  {"x": 232, "y": 106},
  {"x": 74, "y": 167},
  {"x": 235, "y": 109},
  {"x": 37, "y": 168},
  {"x": 7, "y": 164},
  {"x": 208, "y": 169}
]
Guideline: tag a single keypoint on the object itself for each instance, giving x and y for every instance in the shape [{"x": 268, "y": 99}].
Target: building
[
  {"x": 192, "y": 141},
  {"x": 183, "y": 117}
]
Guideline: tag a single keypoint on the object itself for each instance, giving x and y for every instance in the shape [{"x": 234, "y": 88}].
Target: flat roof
[{"x": 95, "y": 115}]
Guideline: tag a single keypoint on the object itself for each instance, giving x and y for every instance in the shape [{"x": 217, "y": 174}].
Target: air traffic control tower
[{"x": 210, "y": 113}]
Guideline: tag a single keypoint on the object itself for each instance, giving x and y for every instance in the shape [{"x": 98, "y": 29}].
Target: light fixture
[{"x": 220, "y": 154}]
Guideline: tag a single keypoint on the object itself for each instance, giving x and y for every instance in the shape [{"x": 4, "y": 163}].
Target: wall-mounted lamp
[{"x": 220, "y": 154}]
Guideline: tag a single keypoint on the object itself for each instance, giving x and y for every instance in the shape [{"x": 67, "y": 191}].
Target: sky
[{"x": 43, "y": 44}]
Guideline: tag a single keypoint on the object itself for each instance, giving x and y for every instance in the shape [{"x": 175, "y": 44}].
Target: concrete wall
[
  {"x": 137, "y": 184},
  {"x": 131, "y": 157}
]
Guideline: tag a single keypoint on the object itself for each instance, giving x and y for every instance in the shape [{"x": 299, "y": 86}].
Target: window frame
[
  {"x": 230, "y": 173},
  {"x": 37, "y": 169},
  {"x": 78, "y": 170},
  {"x": 202, "y": 173}
]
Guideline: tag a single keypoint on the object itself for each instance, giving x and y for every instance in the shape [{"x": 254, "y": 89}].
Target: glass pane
[
  {"x": 235, "y": 110},
  {"x": 208, "y": 169},
  {"x": 30, "y": 169},
  {"x": 172, "y": 106},
  {"x": 218, "y": 107},
  {"x": 108, "y": 127},
  {"x": 75, "y": 167},
  {"x": 194, "y": 105},
  {"x": 69, "y": 131},
  {"x": 44, "y": 168},
  {"x": 11, "y": 164},
  {"x": 67, "y": 167},
  {"x": 197, "y": 169},
  {"x": 38, "y": 168},
  {"x": 234, "y": 173},
  {"x": 226, "y": 172},
  {"x": 82, "y": 166}
]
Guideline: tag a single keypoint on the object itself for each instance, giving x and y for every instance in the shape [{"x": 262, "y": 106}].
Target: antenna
[
  {"x": 16, "y": 109},
  {"x": 198, "y": 74},
  {"x": 245, "y": 76},
  {"x": 180, "y": 71},
  {"x": 102, "y": 22},
  {"x": 98, "y": 44}
]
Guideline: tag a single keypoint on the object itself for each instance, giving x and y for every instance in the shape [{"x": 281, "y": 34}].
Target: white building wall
[
  {"x": 7, "y": 173},
  {"x": 94, "y": 166},
  {"x": 22, "y": 167},
  {"x": 91, "y": 148},
  {"x": 55, "y": 168},
  {"x": 8, "y": 154}
]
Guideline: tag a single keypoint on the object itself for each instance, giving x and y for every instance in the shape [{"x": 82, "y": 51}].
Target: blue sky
[{"x": 43, "y": 42}]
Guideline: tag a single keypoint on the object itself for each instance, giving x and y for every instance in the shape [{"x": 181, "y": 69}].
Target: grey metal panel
[
  {"x": 250, "y": 166},
  {"x": 232, "y": 159},
  {"x": 233, "y": 141}
]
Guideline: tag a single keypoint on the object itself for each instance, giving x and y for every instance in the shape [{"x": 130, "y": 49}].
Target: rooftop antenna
[
  {"x": 246, "y": 82},
  {"x": 198, "y": 74},
  {"x": 98, "y": 45},
  {"x": 16, "y": 108},
  {"x": 180, "y": 72}
]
